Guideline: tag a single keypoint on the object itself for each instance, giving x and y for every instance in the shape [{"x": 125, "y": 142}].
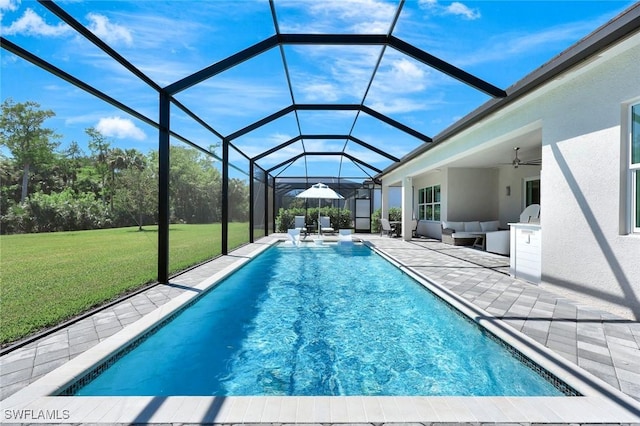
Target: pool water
[{"x": 329, "y": 320}]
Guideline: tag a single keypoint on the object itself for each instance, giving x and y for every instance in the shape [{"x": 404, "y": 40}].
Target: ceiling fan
[{"x": 518, "y": 162}]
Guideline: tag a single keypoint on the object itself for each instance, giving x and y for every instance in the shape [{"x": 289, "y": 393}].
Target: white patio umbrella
[{"x": 320, "y": 191}]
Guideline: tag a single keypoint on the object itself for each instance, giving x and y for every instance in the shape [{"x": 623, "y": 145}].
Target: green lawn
[{"x": 47, "y": 278}]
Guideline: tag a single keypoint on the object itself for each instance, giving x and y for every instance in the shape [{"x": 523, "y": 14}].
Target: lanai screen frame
[{"x": 166, "y": 99}]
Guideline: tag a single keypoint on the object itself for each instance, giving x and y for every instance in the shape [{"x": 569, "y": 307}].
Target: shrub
[
  {"x": 62, "y": 211},
  {"x": 13, "y": 222},
  {"x": 286, "y": 218},
  {"x": 340, "y": 218},
  {"x": 395, "y": 214}
]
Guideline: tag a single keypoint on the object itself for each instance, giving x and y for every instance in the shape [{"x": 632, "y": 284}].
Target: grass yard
[{"x": 50, "y": 277}]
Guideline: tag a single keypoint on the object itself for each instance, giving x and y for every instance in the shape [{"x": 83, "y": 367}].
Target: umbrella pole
[{"x": 319, "y": 201}]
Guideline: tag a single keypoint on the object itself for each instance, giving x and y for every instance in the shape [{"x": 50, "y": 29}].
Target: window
[
  {"x": 531, "y": 191},
  {"x": 429, "y": 203},
  {"x": 634, "y": 167}
]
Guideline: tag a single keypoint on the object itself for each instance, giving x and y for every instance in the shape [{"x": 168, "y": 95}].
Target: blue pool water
[{"x": 329, "y": 320}]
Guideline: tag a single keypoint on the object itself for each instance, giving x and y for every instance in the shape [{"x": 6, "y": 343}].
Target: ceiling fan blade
[{"x": 531, "y": 163}]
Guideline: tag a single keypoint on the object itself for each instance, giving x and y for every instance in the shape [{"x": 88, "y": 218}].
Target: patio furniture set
[
  {"x": 486, "y": 235},
  {"x": 482, "y": 235},
  {"x": 304, "y": 228}
]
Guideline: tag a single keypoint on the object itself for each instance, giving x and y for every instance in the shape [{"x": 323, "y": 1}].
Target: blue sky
[{"x": 498, "y": 41}]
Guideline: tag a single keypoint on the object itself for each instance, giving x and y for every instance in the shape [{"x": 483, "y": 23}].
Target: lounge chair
[
  {"x": 414, "y": 228},
  {"x": 325, "y": 225},
  {"x": 385, "y": 228},
  {"x": 294, "y": 237},
  {"x": 299, "y": 223},
  {"x": 344, "y": 236}
]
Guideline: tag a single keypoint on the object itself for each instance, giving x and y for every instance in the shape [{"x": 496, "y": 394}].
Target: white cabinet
[{"x": 526, "y": 252}]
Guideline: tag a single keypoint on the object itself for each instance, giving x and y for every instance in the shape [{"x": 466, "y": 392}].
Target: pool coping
[{"x": 601, "y": 403}]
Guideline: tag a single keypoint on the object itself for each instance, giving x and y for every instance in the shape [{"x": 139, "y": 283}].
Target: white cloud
[
  {"x": 255, "y": 145},
  {"x": 455, "y": 8},
  {"x": 278, "y": 138},
  {"x": 341, "y": 74},
  {"x": 407, "y": 72},
  {"x": 120, "y": 128},
  {"x": 108, "y": 31},
  {"x": 366, "y": 155},
  {"x": 331, "y": 16},
  {"x": 509, "y": 46},
  {"x": 32, "y": 24},
  {"x": 320, "y": 91},
  {"x": 398, "y": 105},
  {"x": 523, "y": 43},
  {"x": 397, "y": 77},
  {"x": 233, "y": 103},
  {"x": 319, "y": 145},
  {"x": 428, "y": 3},
  {"x": 403, "y": 85},
  {"x": 154, "y": 30},
  {"x": 9, "y": 5}
]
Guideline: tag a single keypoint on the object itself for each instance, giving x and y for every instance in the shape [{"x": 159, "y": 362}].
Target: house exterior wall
[
  {"x": 472, "y": 194},
  {"x": 436, "y": 177},
  {"x": 511, "y": 205},
  {"x": 467, "y": 194},
  {"x": 587, "y": 251},
  {"x": 584, "y": 141}
]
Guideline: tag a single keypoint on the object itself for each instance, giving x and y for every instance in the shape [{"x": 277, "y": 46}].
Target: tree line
[{"x": 45, "y": 189}]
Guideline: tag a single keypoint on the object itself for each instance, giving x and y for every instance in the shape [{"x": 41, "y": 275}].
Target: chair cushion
[
  {"x": 422, "y": 228},
  {"x": 456, "y": 226},
  {"x": 473, "y": 226},
  {"x": 489, "y": 226},
  {"x": 463, "y": 235}
]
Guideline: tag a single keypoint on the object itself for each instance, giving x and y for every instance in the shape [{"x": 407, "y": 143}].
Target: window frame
[
  {"x": 525, "y": 194},
  {"x": 634, "y": 170},
  {"x": 428, "y": 203}
]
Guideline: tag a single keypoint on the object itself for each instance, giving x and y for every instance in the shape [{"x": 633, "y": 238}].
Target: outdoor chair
[
  {"x": 385, "y": 228},
  {"x": 300, "y": 224},
  {"x": 498, "y": 242},
  {"x": 325, "y": 225}
]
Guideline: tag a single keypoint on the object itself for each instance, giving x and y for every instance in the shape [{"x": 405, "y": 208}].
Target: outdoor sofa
[{"x": 465, "y": 233}]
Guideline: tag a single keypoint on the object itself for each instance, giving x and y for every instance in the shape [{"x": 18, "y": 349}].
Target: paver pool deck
[{"x": 602, "y": 344}]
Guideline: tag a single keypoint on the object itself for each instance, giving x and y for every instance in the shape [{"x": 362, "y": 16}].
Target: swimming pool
[{"x": 329, "y": 320}]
